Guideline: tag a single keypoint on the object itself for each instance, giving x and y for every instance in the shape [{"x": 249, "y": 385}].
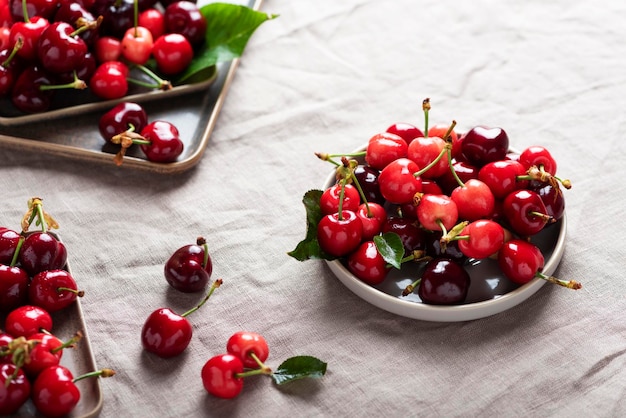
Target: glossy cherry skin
[
  {"x": 423, "y": 151},
  {"x": 109, "y": 80},
  {"x": 137, "y": 44},
  {"x": 474, "y": 200},
  {"x": 412, "y": 236},
  {"x": 367, "y": 264},
  {"x": 108, "y": 48},
  {"x": 30, "y": 32},
  {"x": 172, "y": 52},
  {"x": 14, "y": 393},
  {"x": 482, "y": 145},
  {"x": 406, "y": 131},
  {"x": 42, "y": 251},
  {"x": 153, "y": 20},
  {"x": 551, "y": 196},
  {"x": 525, "y": 212},
  {"x": 339, "y": 236},
  {"x": 520, "y": 260},
  {"x": 5, "y": 340},
  {"x": 186, "y": 270},
  {"x": 503, "y": 177},
  {"x": 484, "y": 239},
  {"x": 58, "y": 51},
  {"x": 372, "y": 217},
  {"x": 329, "y": 201},
  {"x": 243, "y": 343},
  {"x": 450, "y": 251},
  {"x": 435, "y": 209},
  {"x": 8, "y": 244},
  {"x": 14, "y": 283},
  {"x": 443, "y": 282},
  {"x": 117, "y": 16},
  {"x": 53, "y": 290},
  {"x": 27, "y": 95},
  {"x": 165, "y": 143},
  {"x": 27, "y": 320},
  {"x": 120, "y": 118},
  {"x": 184, "y": 17},
  {"x": 219, "y": 376},
  {"x": 43, "y": 8},
  {"x": 384, "y": 148},
  {"x": 166, "y": 333},
  {"x": 368, "y": 180},
  {"x": 539, "y": 156},
  {"x": 46, "y": 351},
  {"x": 440, "y": 130},
  {"x": 464, "y": 170},
  {"x": 53, "y": 393},
  {"x": 398, "y": 183}
]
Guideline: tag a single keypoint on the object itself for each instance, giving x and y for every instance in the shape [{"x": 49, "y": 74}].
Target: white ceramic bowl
[{"x": 490, "y": 291}]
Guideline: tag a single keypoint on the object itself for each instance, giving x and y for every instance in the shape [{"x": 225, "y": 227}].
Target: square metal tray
[{"x": 72, "y": 132}]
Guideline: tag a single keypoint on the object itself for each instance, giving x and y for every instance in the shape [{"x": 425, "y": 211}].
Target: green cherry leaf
[
  {"x": 298, "y": 367},
  {"x": 390, "y": 247},
  {"x": 309, "y": 248},
  {"x": 229, "y": 27}
]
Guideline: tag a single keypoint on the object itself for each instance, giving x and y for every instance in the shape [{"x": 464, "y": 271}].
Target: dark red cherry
[
  {"x": 525, "y": 212},
  {"x": 406, "y": 131},
  {"x": 27, "y": 320},
  {"x": 27, "y": 94},
  {"x": 15, "y": 388},
  {"x": 482, "y": 145},
  {"x": 443, "y": 282},
  {"x": 412, "y": 236},
  {"x": 29, "y": 31},
  {"x": 42, "y": 251},
  {"x": 184, "y": 17},
  {"x": 368, "y": 180},
  {"x": 14, "y": 283},
  {"x": 172, "y": 52},
  {"x": 43, "y": 8},
  {"x": 165, "y": 333},
  {"x": 8, "y": 243},
  {"x": 189, "y": 269},
  {"x": 551, "y": 196},
  {"x": 53, "y": 290},
  {"x": 121, "y": 118},
  {"x": 367, "y": 264},
  {"x": 58, "y": 50},
  {"x": 165, "y": 144},
  {"x": 464, "y": 170}
]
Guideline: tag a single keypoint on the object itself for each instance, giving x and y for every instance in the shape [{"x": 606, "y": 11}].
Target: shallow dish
[{"x": 490, "y": 291}]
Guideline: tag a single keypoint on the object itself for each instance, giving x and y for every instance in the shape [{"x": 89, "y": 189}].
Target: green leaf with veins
[
  {"x": 298, "y": 367},
  {"x": 390, "y": 247},
  {"x": 309, "y": 247},
  {"x": 229, "y": 27}
]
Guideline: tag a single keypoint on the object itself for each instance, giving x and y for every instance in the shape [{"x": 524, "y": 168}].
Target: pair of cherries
[{"x": 127, "y": 124}]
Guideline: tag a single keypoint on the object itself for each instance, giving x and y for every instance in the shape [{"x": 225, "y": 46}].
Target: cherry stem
[
  {"x": 445, "y": 150},
  {"x": 136, "y": 17},
  {"x": 161, "y": 84},
  {"x": 84, "y": 25},
  {"x": 79, "y": 293},
  {"x": 442, "y": 226},
  {"x": 342, "y": 194},
  {"x": 254, "y": 372},
  {"x": 354, "y": 154},
  {"x": 77, "y": 84},
  {"x": 570, "y": 284},
  {"x": 16, "y": 254},
  {"x": 38, "y": 206},
  {"x": 97, "y": 373},
  {"x": 202, "y": 242},
  {"x": 453, "y": 171},
  {"x": 327, "y": 157},
  {"x": 545, "y": 217},
  {"x": 426, "y": 109},
  {"x": 69, "y": 343},
  {"x": 25, "y": 11},
  {"x": 214, "y": 286},
  {"x": 410, "y": 288},
  {"x": 19, "y": 42},
  {"x": 361, "y": 193}
]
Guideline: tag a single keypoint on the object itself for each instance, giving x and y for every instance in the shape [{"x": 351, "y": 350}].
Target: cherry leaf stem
[
  {"x": 214, "y": 286},
  {"x": 254, "y": 372},
  {"x": 569, "y": 284},
  {"x": 97, "y": 373}
]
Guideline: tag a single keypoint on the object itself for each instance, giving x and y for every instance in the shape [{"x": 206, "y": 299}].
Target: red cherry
[
  {"x": 29, "y": 31},
  {"x": 109, "y": 80},
  {"x": 121, "y": 118},
  {"x": 538, "y": 156},
  {"x": 54, "y": 393},
  {"x": 184, "y": 17},
  {"x": 42, "y": 251},
  {"x": 29, "y": 94},
  {"x": 372, "y": 217},
  {"x": 525, "y": 212},
  {"x": 8, "y": 244},
  {"x": 503, "y": 177},
  {"x": 406, "y": 131},
  {"x": 423, "y": 151},
  {"x": 53, "y": 290},
  {"x": 14, "y": 283},
  {"x": 520, "y": 260},
  {"x": 165, "y": 143},
  {"x": 412, "y": 236},
  {"x": 464, "y": 171},
  {"x": 383, "y": 148},
  {"x": 15, "y": 389},
  {"x": 339, "y": 235},
  {"x": 27, "y": 320},
  {"x": 153, "y": 20},
  {"x": 398, "y": 183},
  {"x": 219, "y": 376},
  {"x": 172, "y": 52},
  {"x": 551, "y": 196},
  {"x": 189, "y": 269},
  {"x": 474, "y": 200},
  {"x": 367, "y": 264},
  {"x": 46, "y": 351},
  {"x": 482, "y": 145},
  {"x": 58, "y": 50},
  {"x": 482, "y": 238},
  {"x": 246, "y": 345},
  {"x": 137, "y": 45},
  {"x": 108, "y": 48},
  {"x": 437, "y": 211},
  {"x": 329, "y": 201},
  {"x": 440, "y": 130}
]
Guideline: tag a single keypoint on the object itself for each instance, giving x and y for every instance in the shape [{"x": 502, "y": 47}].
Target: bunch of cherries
[
  {"x": 48, "y": 45},
  {"x": 126, "y": 124},
  {"x": 449, "y": 198},
  {"x": 34, "y": 284}
]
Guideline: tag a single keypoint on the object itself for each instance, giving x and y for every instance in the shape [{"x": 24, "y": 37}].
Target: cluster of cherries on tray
[
  {"x": 450, "y": 198},
  {"x": 127, "y": 124},
  {"x": 49, "y": 45},
  {"x": 34, "y": 285}
]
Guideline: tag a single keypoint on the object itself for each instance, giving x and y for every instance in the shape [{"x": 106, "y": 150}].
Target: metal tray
[
  {"x": 79, "y": 359},
  {"x": 73, "y": 132}
]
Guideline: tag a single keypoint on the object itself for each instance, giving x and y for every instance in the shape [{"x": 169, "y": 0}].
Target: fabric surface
[{"x": 324, "y": 77}]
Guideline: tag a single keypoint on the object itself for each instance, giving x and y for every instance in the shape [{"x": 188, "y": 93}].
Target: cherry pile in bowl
[
  {"x": 439, "y": 198},
  {"x": 47, "y": 46},
  {"x": 34, "y": 287}
]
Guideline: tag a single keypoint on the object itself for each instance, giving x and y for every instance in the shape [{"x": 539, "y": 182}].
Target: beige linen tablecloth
[{"x": 326, "y": 76}]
